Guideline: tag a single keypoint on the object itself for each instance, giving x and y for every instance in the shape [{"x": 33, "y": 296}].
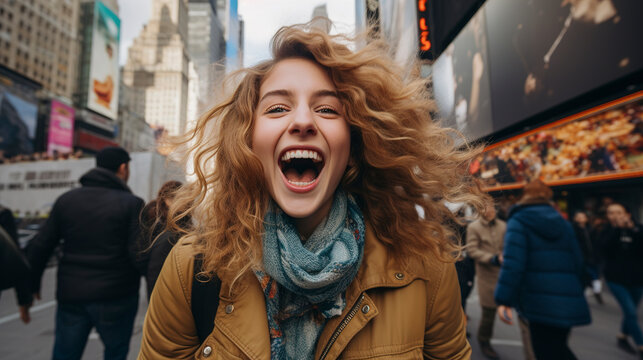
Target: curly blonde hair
[{"x": 400, "y": 158}]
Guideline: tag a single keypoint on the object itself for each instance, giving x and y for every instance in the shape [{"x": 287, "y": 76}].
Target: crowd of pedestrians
[{"x": 540, "y": 264}]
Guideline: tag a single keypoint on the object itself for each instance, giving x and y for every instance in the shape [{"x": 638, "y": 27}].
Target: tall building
[
  {"x": 233, "y": 35},
  {"x": 134, "y": 134},
  {"x": 320, "y": 14},
  {"x": 38, "y": 41},
  {"x": 206, "y": 48},
  {"x": 157, "y": 67},
  {"x": 391, "y": 20}
]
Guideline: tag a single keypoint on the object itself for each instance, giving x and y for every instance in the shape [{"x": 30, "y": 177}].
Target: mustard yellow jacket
[{"x": 392, "y": 312}]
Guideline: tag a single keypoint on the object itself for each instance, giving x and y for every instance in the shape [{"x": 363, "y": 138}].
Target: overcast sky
[{"x": 262, "y": 18}]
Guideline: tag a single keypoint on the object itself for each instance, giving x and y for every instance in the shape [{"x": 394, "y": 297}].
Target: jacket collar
[{"x": 99, "y": 177}]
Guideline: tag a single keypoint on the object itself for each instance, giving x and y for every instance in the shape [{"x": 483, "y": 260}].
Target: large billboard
[
  {"x": 103, "y": 71},
  {"x": 461, "y": 81},
  {"x": 599, "y": 144},
  {"x": 18, "y": 119},
  {"x": 546, "y": 52},
  {"x": 61, "y": 128}
]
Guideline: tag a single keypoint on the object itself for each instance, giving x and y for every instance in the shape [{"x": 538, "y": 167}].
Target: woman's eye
[
  {"x": 327, "y": 110},
  {"x": 276, "y": 109}
]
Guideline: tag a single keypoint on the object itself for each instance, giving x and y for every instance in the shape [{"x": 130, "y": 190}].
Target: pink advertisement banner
[{"x": 61, "y": 128}]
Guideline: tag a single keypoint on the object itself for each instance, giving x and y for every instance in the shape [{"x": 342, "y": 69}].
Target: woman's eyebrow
[
  {"x": 280, "y": 92},
  {"x": 324, "y": 93},
  {"x": 288, "y": 93}
]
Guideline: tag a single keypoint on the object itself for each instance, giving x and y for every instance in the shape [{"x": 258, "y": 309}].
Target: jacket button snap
[
  {"x": 207, "y": 351},
  {"x": 366, "y": 309},
  {"x": 399, "y": 276},
  {"x": 229, "y": 308}
]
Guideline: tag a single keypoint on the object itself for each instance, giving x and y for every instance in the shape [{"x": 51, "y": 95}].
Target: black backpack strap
[{"x": 205, "y": 301}]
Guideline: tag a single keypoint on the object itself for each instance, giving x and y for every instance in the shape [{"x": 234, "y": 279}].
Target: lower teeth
[{"x": 299, "y": 183}]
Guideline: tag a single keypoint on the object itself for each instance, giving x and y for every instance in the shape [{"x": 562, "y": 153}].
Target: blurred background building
[
  {"x": 158, "y": 66},
  {"x": 207, "y": 49},
  {"x": 38, "y": 41}
]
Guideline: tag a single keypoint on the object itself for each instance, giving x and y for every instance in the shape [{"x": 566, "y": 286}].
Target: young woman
[
  {"x": 308, "y": 178},
  {"x": 155, "y": 241}
]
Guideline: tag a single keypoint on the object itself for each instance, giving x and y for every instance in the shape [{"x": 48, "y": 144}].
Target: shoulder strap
[{"x": 205, "y": 301}]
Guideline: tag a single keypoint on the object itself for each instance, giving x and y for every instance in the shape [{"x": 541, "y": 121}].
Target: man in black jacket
[{"x": 98, "y": 275}]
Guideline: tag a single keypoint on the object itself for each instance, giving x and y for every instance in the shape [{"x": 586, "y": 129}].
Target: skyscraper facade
[
  {"x": 206, "y": 48},
  {"x": 157, "y": 67},
  {"x": 38, "y": 41}
]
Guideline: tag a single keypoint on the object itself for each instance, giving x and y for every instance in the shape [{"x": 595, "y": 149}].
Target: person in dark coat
[
  {"x": 15, "y": 273},
  {"x": 541, "y": 275},
  {"x": 98, "y": 277},
  {"x": 622, "y": 247},
  {"x": 465, "y": 266},
  {"x": 8, "y": 223},
  {"x": 156, "y": 239}
]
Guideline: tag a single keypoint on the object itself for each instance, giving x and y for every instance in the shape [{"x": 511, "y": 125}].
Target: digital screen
[
  {"x": 546, "y": 52},
  {"x": 461, "y": 82},
  {"x": 603, "y": 143}
]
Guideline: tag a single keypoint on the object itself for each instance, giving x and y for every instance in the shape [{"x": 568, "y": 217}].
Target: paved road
[
  {"x": 596, "y": 341},
  {"x": 35, "y": 340}
]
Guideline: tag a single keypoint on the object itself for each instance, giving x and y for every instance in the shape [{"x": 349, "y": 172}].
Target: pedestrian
[
  {"x": 541, "y": 274},
  {"x": 590, "y": 256},
  {"x": 622, "y": 248},
  {"x": 465, "y": 265},
  {"x": 309, "y": 220},
  {"x": 156, "y": 239},
  {"x": 98, "y": 279},
  {"x": 484, "y": 246},
  {"x": 15, "y": 273},
  {"x": 8, "y": 223}
]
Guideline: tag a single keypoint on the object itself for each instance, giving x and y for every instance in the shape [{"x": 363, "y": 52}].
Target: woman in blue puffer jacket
[{"x": 541, "y": 273}]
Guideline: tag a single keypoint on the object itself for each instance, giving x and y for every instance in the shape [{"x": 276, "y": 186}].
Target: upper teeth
[{"x": 301, "y": 154}]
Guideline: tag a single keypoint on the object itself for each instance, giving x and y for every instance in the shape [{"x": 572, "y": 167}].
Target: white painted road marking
[
  {"x": 506, "y": 342},
  {"x": 32, "y": 310}
]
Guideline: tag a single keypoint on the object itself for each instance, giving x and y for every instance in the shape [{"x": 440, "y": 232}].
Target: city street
[{"x": 35, "y": 340}]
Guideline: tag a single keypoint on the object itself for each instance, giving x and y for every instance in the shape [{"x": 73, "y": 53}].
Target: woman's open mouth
[{"x": 301, "y": 168}]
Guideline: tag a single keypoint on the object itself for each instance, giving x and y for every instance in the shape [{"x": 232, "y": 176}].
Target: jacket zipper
[{"x": 341, "y": 327}]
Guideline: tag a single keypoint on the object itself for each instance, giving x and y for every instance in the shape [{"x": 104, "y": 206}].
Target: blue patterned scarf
[{"x": 300, "y": 277}]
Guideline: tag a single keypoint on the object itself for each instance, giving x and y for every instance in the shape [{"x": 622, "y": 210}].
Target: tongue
[{"x": 295, "y": 176}]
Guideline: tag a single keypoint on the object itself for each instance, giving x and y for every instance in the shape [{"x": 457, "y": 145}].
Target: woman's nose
[{"x": 303, "y": 123}]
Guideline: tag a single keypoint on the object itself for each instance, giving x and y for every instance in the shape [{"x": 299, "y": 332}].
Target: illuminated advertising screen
[
  {"x": 18, "y": 119},
  {"x": 546, "y": 52},
  {"x": 103, "y": 75},
  {"x": 61, "y": 128},
  {"x": 461, "y": 81},
  {"x": 603, "y": 143},
  {"x": 424, "y": 30}
]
